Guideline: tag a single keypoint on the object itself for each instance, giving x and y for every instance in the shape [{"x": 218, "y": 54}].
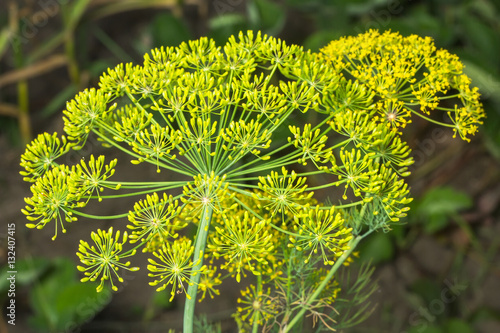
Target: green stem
[
  {"x": 352, "y": 245},
  {"x": 22, "y": 86},
  {"x": 432, "y": 120},
  {"x": 255, "y": 326},
  {"x": 199, "y": 252}
]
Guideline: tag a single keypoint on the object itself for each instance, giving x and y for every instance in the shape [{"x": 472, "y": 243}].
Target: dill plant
[{"x": 252, "y": 130}]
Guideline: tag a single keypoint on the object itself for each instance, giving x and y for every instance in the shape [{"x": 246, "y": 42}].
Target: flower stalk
[{"x": 199, "y": 252}]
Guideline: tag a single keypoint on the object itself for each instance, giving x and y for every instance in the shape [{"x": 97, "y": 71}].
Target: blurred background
[{"x": 438, "y": 273}]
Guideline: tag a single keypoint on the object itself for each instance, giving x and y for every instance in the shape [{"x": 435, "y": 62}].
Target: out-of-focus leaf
[
  {"x": 485, "y": 9},
  {"x": 427, "y": 290},
  {"x": 320, "y": 39},
  {"x": 486, "y": 81},
  {"x": 60, "y": 302},
  {"x": 267, "y": 16},
  {"x": 418, "y": 20},
  {"x": 73, "y": 12},
  {"x": 376, "y": 248},
  {"x": 27, "y": 270},
  {"x": 359, "y": 7},
  {"x": 226, "y": 21},
  {"x": 168, "y": 30},
  {"x": 79, "y": 302},
  {"x": 223, "y": 26},
  {"x": 162, "y": 300},
  {"x": 456, "y": 325},
  {"x": 481, "y": 39},
  {"x": 438, "y": 204}
]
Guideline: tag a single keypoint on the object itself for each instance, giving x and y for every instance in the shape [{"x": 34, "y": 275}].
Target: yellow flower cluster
[
  {"x": 409, "y": 76},
  {"x": 252, "y": 130}
]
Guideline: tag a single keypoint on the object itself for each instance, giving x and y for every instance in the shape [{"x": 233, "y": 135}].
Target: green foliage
[
  {"x": 28, "y": 271},
  {"x": 210, "y": 117},
  {"x": 377, "y": 248},
  {"x": 58, "y": 300},
  {"x": 438, "y": 205},
  {"x": 168, "y": 30}
]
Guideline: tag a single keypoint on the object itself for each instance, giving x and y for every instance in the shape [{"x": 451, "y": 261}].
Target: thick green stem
[
  {"x": 352, "y": 245},
  {"x": 199, "y": 252},
  {"x": 255, "y": 326}
]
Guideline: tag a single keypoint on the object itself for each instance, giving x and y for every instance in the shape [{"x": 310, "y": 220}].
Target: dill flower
[
  {"x": 256, "y": 305},
  {"x": 53, "y": 199},
  {"x": 40, "y": 155},
  {"x": 312, "y": 144},
  {"x": 174, "y": 266},
  {"x": 156, "y": 143},
  {"x": 409, "y": 71},
  {"x": 356, "y": 171},
  {"x": 323, "y": 231},
  {"x": 209, "y": 280},
  {"x": 283, "y": 193},
  {"x": 242, "y": 241},
  {"x": 248, "y": 132},
  {"x": 88, "y": 177},
  {"x": 153, "y": 219},
  {"x": 206, "y": 191},
  {"x": 103, "y": 258},
  {"x": 83, "y": 112}
]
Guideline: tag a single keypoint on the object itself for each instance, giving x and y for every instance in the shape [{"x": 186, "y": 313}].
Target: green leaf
[
  {"x": 267, "y": 16},
  {"x": 456, "y": 325},
  {"x": 27, "y": 270},
  {"x": 481, "y": 39},
  {"x": 79, "y": 302},
  {"x": 427, "y": 290},
  {"x": 61, "y": 303},
  {"x": 320, "y": 39},
  {"x": 438, "y": 204},
  {"x": 162, "y": 300},
  {"x": 45, "y": 292},
  {"x": 223, "y": 26},
  {"x": 378, "y": 248},
  {"x": 168, "y": 30},
  {"x": 486, "y": 81},
  {"x": 492, "y": 137},
  {"x": 75, "y": 12}
]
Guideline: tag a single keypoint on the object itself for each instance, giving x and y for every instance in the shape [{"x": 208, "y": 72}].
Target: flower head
[
  {"x": 89, "y": 177},
  {"x": 256, "y": 305},
  {"x": 40, "y": 155},
  {"x": 174, "y": 266},
  {"x": 154, "y": 219},
  {"x": 103, "y": 258},
  {"x": 321, "y": 231},
  {"x": 282, "y": 194},
  {"x": 83, "y": 113},
  {"x": 53, "y": 199},
  {"x": 241, "y": 242}
]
